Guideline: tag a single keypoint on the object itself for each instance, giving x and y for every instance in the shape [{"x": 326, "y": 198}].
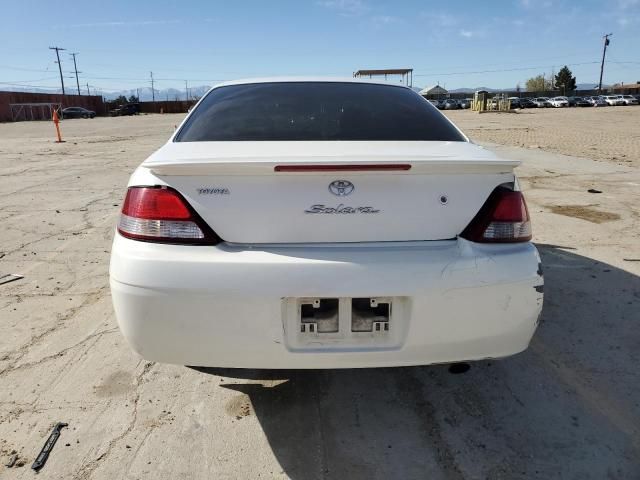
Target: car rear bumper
[{"x": 231, "y": 306}]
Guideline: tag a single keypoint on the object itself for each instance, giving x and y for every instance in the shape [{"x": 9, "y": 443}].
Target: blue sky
[{"x": 456, "y": 43}]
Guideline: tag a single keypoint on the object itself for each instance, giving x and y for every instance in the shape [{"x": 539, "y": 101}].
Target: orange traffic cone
[{"x": 56, "y": 121}]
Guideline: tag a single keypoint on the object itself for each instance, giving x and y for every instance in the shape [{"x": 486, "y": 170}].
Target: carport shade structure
[{"x": 405, "y": 73}]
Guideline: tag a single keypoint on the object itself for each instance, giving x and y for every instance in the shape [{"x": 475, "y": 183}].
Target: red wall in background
[{"x": 91, "y": 102}]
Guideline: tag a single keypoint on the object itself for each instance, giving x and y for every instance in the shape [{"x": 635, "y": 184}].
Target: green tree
[
  {"x": 565, "y": 80},
  {"x": 133, "y": 99},
  {"x": 538, "y": 84},
  {"x": 121, "y": 100}
]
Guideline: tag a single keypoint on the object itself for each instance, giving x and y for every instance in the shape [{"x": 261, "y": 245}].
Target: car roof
[{"x": 293, "y": 79}]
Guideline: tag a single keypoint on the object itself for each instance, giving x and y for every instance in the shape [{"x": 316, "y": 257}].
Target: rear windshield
[{"x": 315, "y": 111}]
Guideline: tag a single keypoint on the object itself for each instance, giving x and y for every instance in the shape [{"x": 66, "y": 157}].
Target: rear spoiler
[{"x": 235, "y": 166}]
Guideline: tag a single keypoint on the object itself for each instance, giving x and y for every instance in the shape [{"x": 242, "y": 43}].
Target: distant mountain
[
  {"x": 473, "y": 90},
  {"x": 199, "y": 91},
  {"x": 579, "y": 86},
  {"x": 165, "y": 94},
  {"x": 145, "y": 93},
  {"x": 589, "y": 86}
]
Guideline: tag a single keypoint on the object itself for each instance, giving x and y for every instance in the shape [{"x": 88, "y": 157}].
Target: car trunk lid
[{"x": 302, "y": 192}]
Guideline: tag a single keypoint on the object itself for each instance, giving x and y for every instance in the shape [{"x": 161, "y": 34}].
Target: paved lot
[{"x": 567, "y": 408}]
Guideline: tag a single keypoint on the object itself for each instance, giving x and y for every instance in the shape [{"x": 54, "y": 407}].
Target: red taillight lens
[
  {"x": 504, "y": 218},
  {"x": 155, "y": 204},
  {"x": 160, "y": 214}
]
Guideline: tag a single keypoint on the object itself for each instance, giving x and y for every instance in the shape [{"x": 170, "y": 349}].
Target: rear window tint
[{"x": 315, "y": 111}]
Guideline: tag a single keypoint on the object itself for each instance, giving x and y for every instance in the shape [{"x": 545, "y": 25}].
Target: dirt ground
[
  {"x": 569, "y": 407},
  {"x": 605, "y": 133}
]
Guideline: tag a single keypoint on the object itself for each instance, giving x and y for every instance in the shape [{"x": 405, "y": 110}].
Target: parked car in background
[
  {"x": 559, "y": 102},
  {"x": 580, "y": 102},
  {"x": 451, "y": 104},
  {"x": 77, "y": 112},
  {"x": 437, "y": 103},
  {"x": 628, "y": 99},
  {"x": 541, "y": 102},
  {"x": 597, "y": 101},
  {"x": 128, "y": 109},
  {"x": 613, "y": 100},
  {"x": 526, "y": 103},
  {"x": 292, "y": 224},
  {"x": 466, "y": 102},
  {"x": 514, "y": 102}
]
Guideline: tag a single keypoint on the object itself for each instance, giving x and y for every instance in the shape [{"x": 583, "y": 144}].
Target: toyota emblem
[{"x": 341, "y": 188}]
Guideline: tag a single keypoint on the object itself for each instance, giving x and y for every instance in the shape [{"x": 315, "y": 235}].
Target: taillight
[
  {"x": 503, "y": 218},
  {"x": 160, "y": 214}
]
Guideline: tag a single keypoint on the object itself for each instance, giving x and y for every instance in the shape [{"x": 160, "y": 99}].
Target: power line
[
  {"x": 57, "y": 49},
  {"x": 18, "y": 82},
  {"x": 75, "y": 67},
  {"x": 24, "y": 85}
]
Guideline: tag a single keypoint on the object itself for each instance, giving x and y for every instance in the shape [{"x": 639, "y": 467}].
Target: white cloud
[
  {"x": 466, "y": 33},
  {"x": 137, "y": 23},
  {"x": 380, "y": 20},
  {"x": 626, "y": 13},
  {"x": 345, "y": 7},
  {"x": 442, "y": 20},
  {"x": 535, "y": 3}
]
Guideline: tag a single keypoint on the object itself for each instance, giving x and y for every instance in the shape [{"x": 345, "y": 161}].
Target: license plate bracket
[{"x": 313, "y": 323}]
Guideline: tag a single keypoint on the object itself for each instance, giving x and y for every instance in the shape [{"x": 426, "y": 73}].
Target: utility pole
[
  {"x": 57, "y": 49},
  {"x": 153, "y": 92},
  {"x": 604, "y": 52},
  {"x": 88, "y": 93},
  {"x": 138, "y": 94},
  {"x": 75, "y": 67},
  {"x": 186, "y": 91}
]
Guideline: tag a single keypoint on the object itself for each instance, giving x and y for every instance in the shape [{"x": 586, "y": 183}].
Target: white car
[
  {"x": 309, "y": 223},
  {"x": 628, "y": 99},
  {"x": 541, "y": 102},
  {"x": 559, "y": 102},
  {"x": 613, "y": 100},
  {"x": 597, "y": 101}
]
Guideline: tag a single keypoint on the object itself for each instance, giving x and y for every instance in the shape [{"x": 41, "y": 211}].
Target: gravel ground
[{"x": 569, "y": 407}]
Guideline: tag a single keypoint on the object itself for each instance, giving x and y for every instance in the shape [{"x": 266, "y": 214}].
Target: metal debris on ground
[
  {"x": 593, "y": 190},
  {"x": 12, "y": 461},
  {"x": 48, "y": 446},
  {"x": 9, "y": 277}
]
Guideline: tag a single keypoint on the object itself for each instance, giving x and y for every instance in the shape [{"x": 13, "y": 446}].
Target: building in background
[{"x": 434, "y": 92}]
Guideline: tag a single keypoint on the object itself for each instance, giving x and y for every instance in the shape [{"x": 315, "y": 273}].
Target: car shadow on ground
[{"x": 566, "y": 408}]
